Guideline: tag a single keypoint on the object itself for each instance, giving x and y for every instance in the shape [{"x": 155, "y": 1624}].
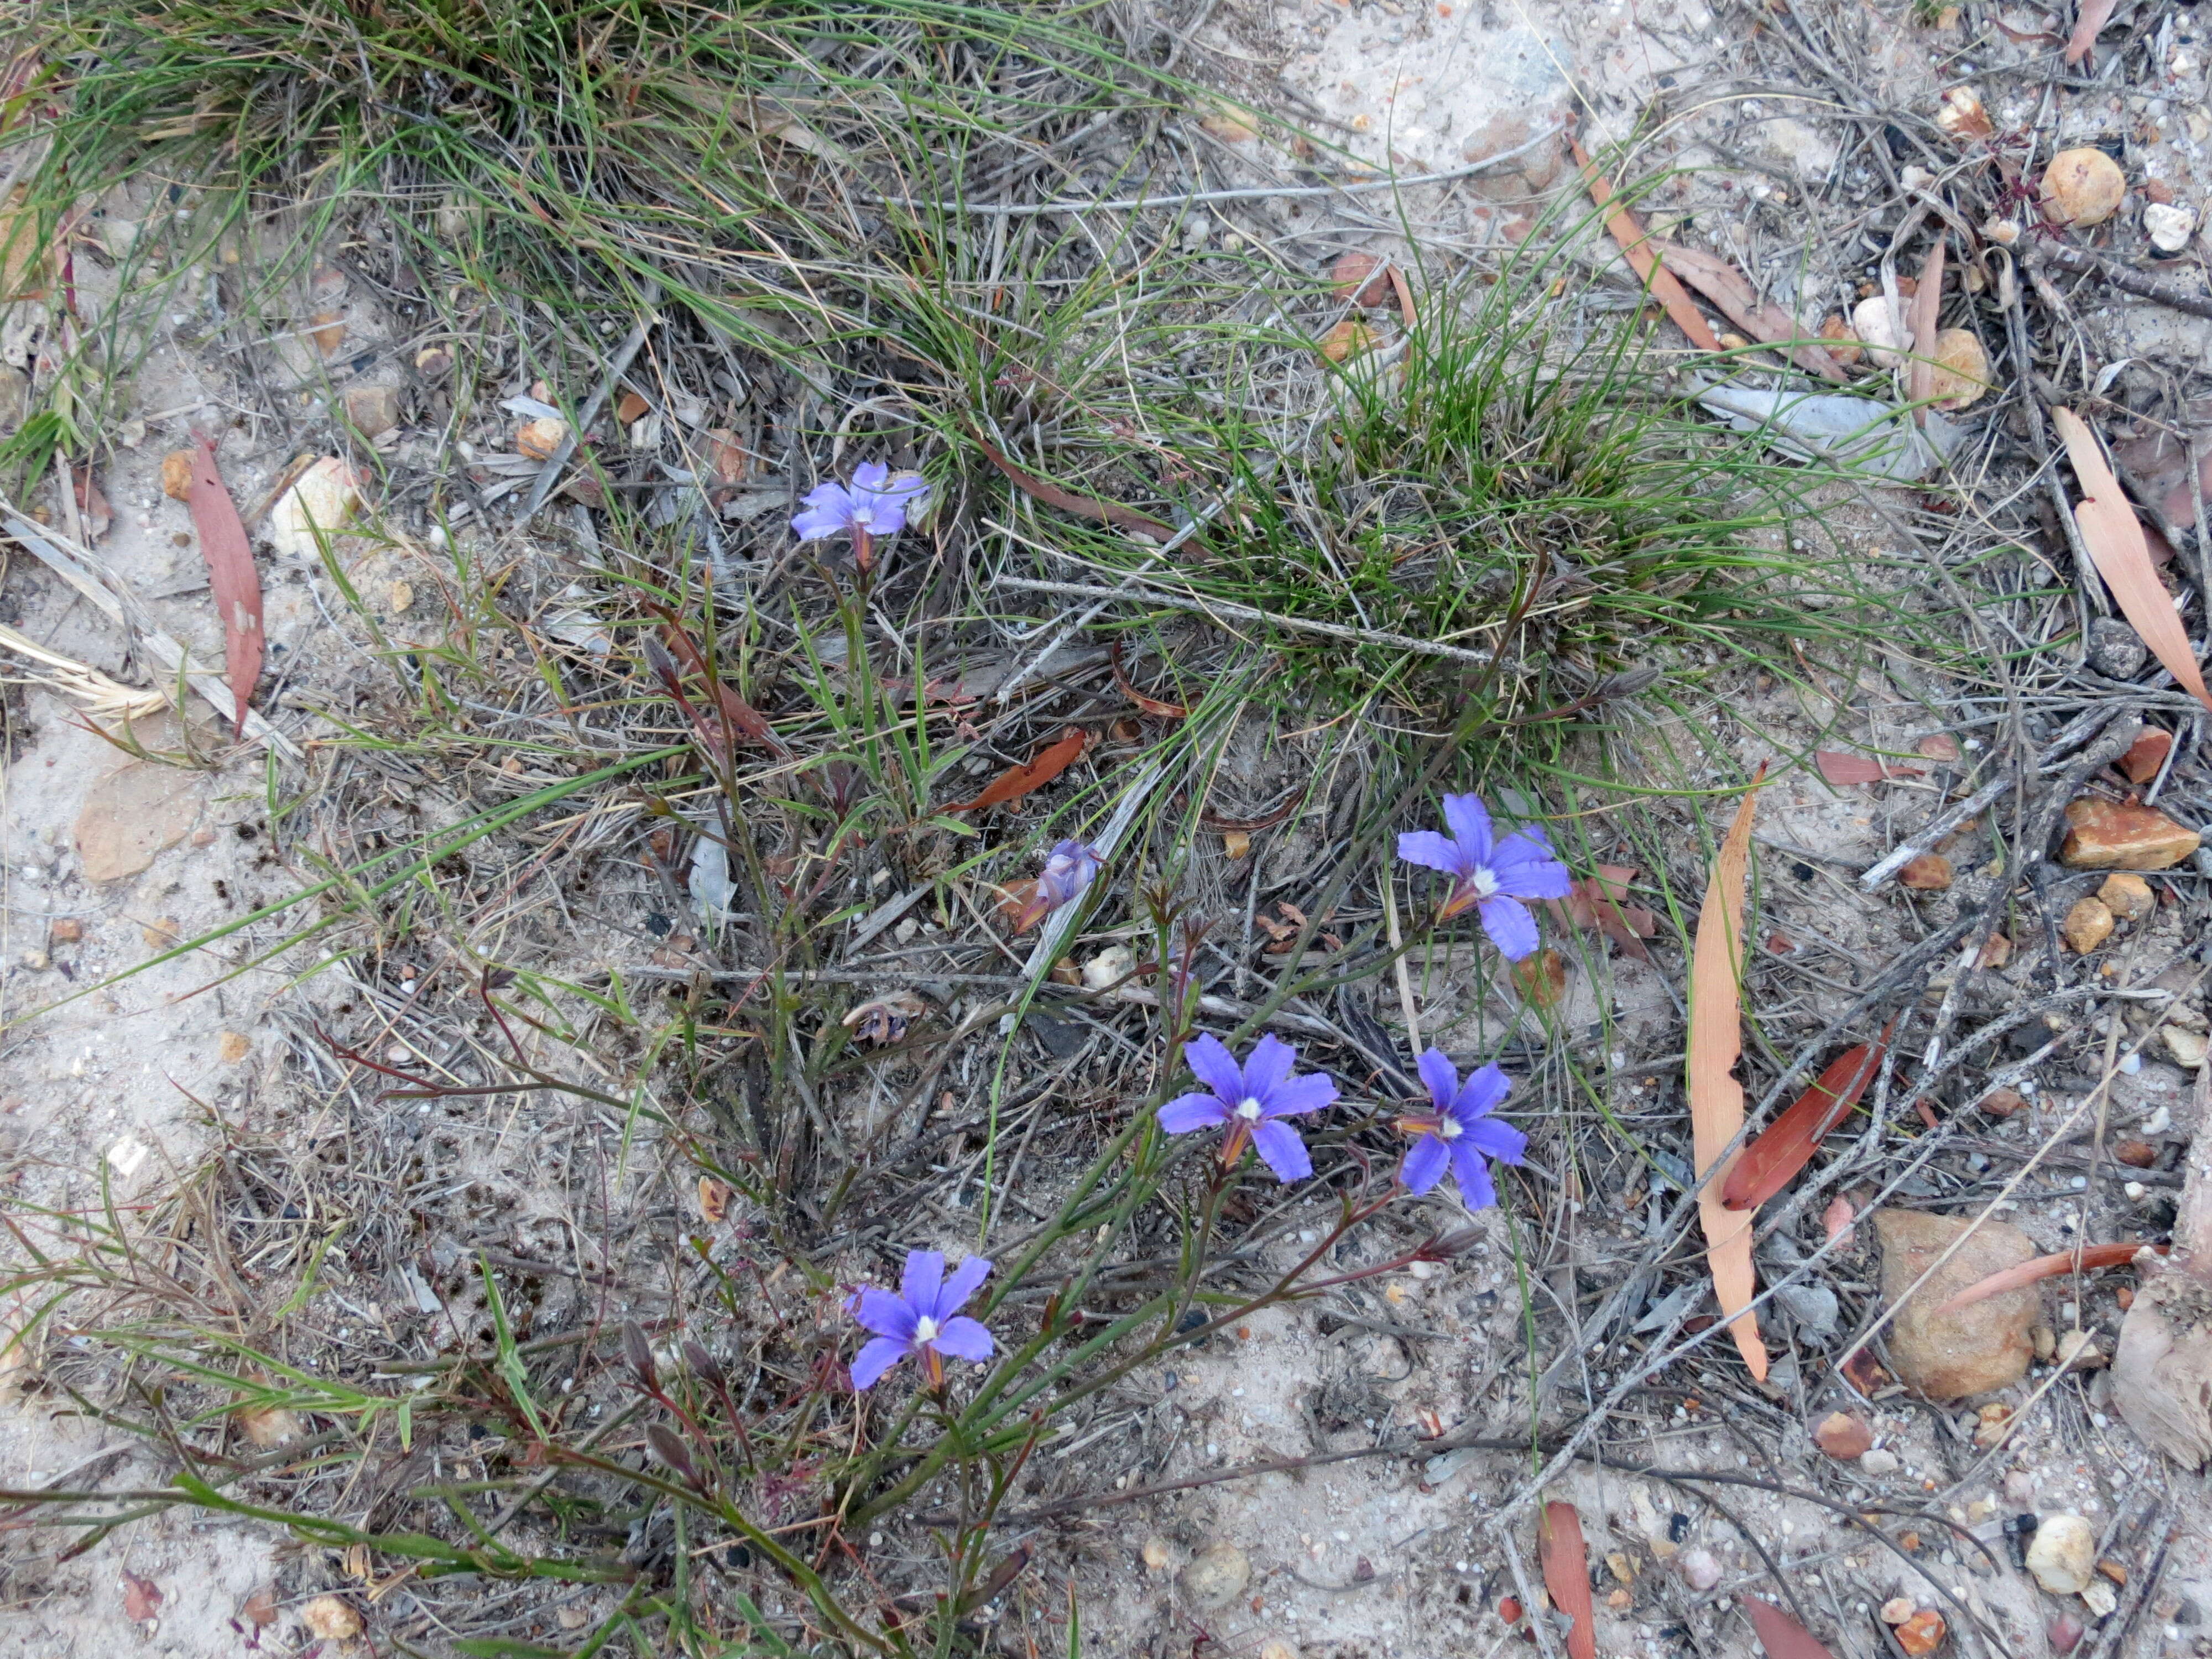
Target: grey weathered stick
[{"x": 2083, "y": 263}]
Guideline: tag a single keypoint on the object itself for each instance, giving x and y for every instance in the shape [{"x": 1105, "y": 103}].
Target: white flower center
[
  {"x": 1450, "y": 1129},
  {"x": 1484, "y": 883},
  {"x": 1248, "y": 1110},
  {"x": 925, "y": 1330}
]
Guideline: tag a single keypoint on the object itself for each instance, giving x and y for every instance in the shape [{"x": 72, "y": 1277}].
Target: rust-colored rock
[
  {"x": 2135, "y": 1154},
  {"x": 177, "y": 475},
  {"x": 1930, "y": 873},
  {"x": 1981, "y": 1347},
  {"x": 2088, "y": 925},
  {"x": 373, "y": 409},
  {"x": 1844, "y": 1436},
  {"x": 1361, "y": 278},
  {"x": 2111, "y": 835},
  {"x": 2128, "y": 897},
  {"x": 2145, "y": 755},
  {"x": 1921, "y": 1634},
  {"x": 1995, "y": 953},
  {"x": 2003, "y": 1103}
]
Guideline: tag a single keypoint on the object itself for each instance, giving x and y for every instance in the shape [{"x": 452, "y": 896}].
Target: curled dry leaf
[
  {"x": 884, "y": 1018},
  {"x": 1566, "y": 1560},
  {"x": 715, "y": 1199},
  {"x": 1018, "y": 780},
  {"x": 1086, "y": 507},
  {"x": 2114, "y": 537},
  {"x": 1716, "y": 1098},
  {"x": 1541, "y": 979},
  {"x": 1600, "y": 900},
  {"x": 1164, "y": 710},
  {"x": 1962, "y": 115},
  {"x": 91, "y": 505},
  {"x": 232, "y": 582}
]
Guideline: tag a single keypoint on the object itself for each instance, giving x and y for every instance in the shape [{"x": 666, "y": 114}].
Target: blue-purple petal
[
  {"x": 1527, "y": 870},
  {"x": 817, "y": 522},
  {"x": 870, "y": 476},
  {"x": 1188, "y": 1114},
  {"x": 964, "y": 1338},
  {"x": 875, "y": 1358},
  {"x": 1266, "y": 1067},
  {"x": 1472, "y": 1172},
  {"x": 1441, "y": 1076},
  {"x": 1497, "y": 1140},
  {"x": 1212, "y": 1064},
  {"x": 1431, "y": 851},
  {"x": 879, "y": 1312},
  {"x": 966, "y": 1279},
  {"x": 925, "y": 1273},
  {"x": 1511, "y": 927},
  {"x": 1298, "y": 1096},
  {"x": 1424, "y": 1164},
  {"x": 1485, "y": 1087},
  {"x": 1278, "y": 1145},
  {"x": 1468, "y": 820}
]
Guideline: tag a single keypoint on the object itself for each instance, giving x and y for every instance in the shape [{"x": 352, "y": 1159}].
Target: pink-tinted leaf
[
  {"x": 1566, "y": 1560},
  {"x": 232, "y": 582},
  {"x": 1845, "y": 771},
  {"x": 142, "y": 1597},
  {"x": 1731, "y": 291},
  {"x": 1636, "y": 246},
  {"x": 2088, "y": 1258},
  {"x": 2114, "y": 537},
  {"x": 1716, "y": 1098},
  {"x": 1836, "y": 1220},
  {"x": 1601, "y": 902},
  {"x": 1926, "y": 303},
  {"x": 1783, "y": 1637},
  {"x": 2088, "y": 24}
]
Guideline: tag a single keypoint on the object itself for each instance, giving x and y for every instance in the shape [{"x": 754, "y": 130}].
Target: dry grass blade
[
  {"x": 2088, "y": 1259},
  {"x": 101, "y": 696},
  {"x": 1772, "y": 1161},
  {"x": 1783, "y": 1637},
  {"x": 232, "y": 582},
  {"x": 2114, "y": 538},
  {"x": 1566, "y": 1560},
  {"x": 1637, "y": 247},
  {"x": 1731, "y": 291},
  {"x": 1716, "y": 1098},
  {"x": 1927, "y": 306},
  {"x": 1018, "y": 781},
  {"x": 1085, "y": 507}
]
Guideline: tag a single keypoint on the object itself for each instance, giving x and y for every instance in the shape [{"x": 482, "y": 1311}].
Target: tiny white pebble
[
  {"x": 875, "y": 1540},
  {"x": 2078, "y": 1182},
  {"x": 398, "y": 1053},
  {"x": 2131, "y": 1064},
  {"x": 1212, "y": 1451}
]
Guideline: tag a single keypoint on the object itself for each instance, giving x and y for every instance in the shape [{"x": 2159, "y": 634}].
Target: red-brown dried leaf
[
  {"x": 1635, "y": 245},
  {"x": 1927, "y": 301},
  {"x": 92, "y": 506},
  {"x": 142, "y": 1597},
  {"x": 1731, "y": 291},
  {"x": 1566, "y": 1560},
  {"x": 1018, "y": 781},
  {"x": 261, "y": 1608},
  {"x": 1600, "y": 900},
  {"x": 1166, "y": 711},
  {"x": 1846, "y": 771},
  {"x": 1084, "y": 507},
  {"x": 232, "y": 582},
  {"x": 2092, "y": 18},
  {"x": 1785, "y": 1147},
  {"x": 737, "y": 715},
  {"x": 1783, "y": 1637}
]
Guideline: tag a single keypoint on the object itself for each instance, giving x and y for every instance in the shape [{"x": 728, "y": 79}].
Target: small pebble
[
  {"x": 1881, "y": 1462},
  {"x": 1699, "y": 1570}
]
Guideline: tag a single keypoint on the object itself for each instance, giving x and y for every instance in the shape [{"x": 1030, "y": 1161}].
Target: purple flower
[
  {"x": 876, "y": 504},
  {"x": 1495, "y": 875},
  {"x": 1068, "y": 869},
  {"x": 1460, "y": 1132},
  {"x": 1252, "y": 1100},
  {"x": 923, "y": 1318}
]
